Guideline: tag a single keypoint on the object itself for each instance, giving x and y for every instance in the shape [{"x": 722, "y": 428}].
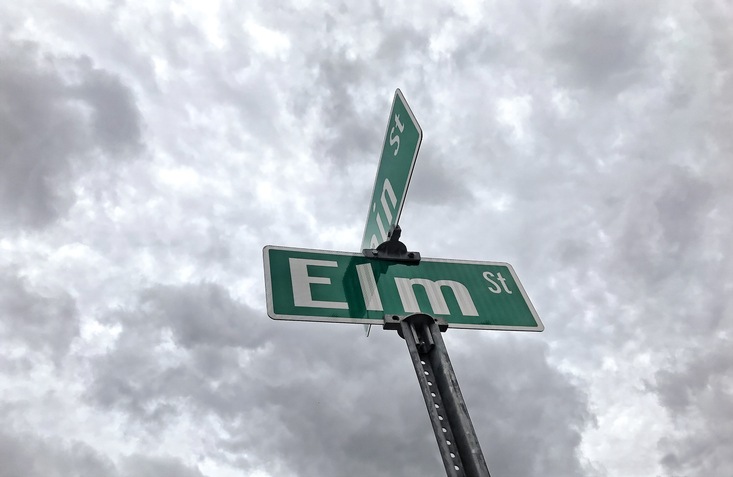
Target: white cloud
[{"x": 268, "y": 41}]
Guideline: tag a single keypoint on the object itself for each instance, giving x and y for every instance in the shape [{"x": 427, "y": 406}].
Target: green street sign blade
[
  {"x": 341, "y": 287},
  {"x": 399, "y": 153}
]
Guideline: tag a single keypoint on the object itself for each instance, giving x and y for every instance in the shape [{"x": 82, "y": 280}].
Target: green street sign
[
  {"x": 317, "y": 285},
  {"x": 399, "y": 152}
]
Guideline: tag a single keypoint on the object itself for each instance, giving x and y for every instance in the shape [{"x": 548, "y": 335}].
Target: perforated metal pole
[{"x": 454, "y": 432}]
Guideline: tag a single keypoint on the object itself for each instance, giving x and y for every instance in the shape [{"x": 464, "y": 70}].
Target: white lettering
[
  {"x": 387, "y": 189},
  {"x": 496, "y": 288},
  {"x": 302, "y": 283},
  {"x": 393, "y": 140},
  {"x": 374, "y": 242},
  {"x": 435, "y": 296},
  {"x": 382, "y": 230},
  {"x": 372, "y": 300},
  {"x": 400, "y": 126},
  {"x": 503, "y": 282}
]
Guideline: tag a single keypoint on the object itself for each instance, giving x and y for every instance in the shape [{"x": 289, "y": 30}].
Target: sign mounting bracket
[{"x": 393, "y": 250}]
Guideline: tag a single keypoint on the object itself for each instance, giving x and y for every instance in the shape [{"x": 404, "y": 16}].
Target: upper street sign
[
  {"x": 399, "y": 152},
  {"x": 316, "y": 285}
]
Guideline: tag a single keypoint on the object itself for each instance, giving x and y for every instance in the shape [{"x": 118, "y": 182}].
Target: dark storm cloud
[
  {"x": 481, "y": 46},
  {"x": 115, "y": 118},
  {"x": 523, "y": 403},
  {"x": 201, "y": 318},
  {"x": 399, "y": 45},
  {"x": 682, "y": 209},
  {"x": 660, "y": 224},
  {"x": 696, "y": 392},
  {"x": 341, "y": 86},
  {"x": 25, "y": 455},
  {"x": 145, "y": 466},
  {"x": 347, "y": 136},
  {"x": 45, "y": 325},
  {"x": 437, "y": 181},
  {"x": 318, "y": 398},
  {"x": 203, "y": 314},
  {"x": 44, "y": 132},
  {"x": 602, "y": 48},
  {"x": 38, "y": 133},
  {"x": 253, "y": 95}
]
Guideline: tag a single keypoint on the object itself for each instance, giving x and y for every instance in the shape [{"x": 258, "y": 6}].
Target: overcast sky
[{"x": 149, "y": 151}]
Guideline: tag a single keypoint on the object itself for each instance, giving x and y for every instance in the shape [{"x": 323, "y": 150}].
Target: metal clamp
[
  {"x": 394, "y": 322},
  {"x": 393, "y": 250}
]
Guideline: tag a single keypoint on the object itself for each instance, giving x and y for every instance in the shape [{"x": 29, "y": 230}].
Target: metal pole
[
  {"x": 455, "y": 407},
  {"x": 433, "y": 401},
  {"x": 457, "y": 442}
]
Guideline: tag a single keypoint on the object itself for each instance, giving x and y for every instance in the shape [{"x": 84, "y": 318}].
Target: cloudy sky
[{"x": 150, "y": 150}]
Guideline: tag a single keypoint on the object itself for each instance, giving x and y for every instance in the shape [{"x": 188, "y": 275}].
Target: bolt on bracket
[{"x": 393, "y": 250}]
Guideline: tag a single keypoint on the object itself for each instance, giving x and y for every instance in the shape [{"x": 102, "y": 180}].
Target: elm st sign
[
  {"x": 399, "y": 153},
  {"x": 316, "y": 285}
]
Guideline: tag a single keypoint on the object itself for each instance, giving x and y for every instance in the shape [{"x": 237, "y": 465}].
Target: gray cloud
[
  {"x": 201, "y": 318},
  {"x": 146, "y": 466},
  {"x": 437, "y": 183},
  {"x": 695, "y": 390},
  {"x": 203, "y": 314},
  {"x": 603, "y": 48},
  {"x": 25, "y": 455},
  {"x": 44, "y": 132},
  {"x": 116, "y": 122},
  {"x": 38, "y": 135},
  {"x": 29, "y": 456},
  {"x": 44, "y": 325}
]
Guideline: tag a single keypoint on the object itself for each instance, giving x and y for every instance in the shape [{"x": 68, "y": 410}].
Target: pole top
[{"x": 394, "y": 322}]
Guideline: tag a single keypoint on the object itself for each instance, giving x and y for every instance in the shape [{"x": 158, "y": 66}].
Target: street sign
[
  {"x": 399, "y": 152},
  {"x": 317, "y": 285}
]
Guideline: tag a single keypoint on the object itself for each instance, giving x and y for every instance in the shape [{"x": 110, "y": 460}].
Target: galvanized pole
[{"x": 454, "y": 432}]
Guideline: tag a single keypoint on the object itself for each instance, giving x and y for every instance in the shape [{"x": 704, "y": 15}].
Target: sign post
[{"x": 418, "y": 297}]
